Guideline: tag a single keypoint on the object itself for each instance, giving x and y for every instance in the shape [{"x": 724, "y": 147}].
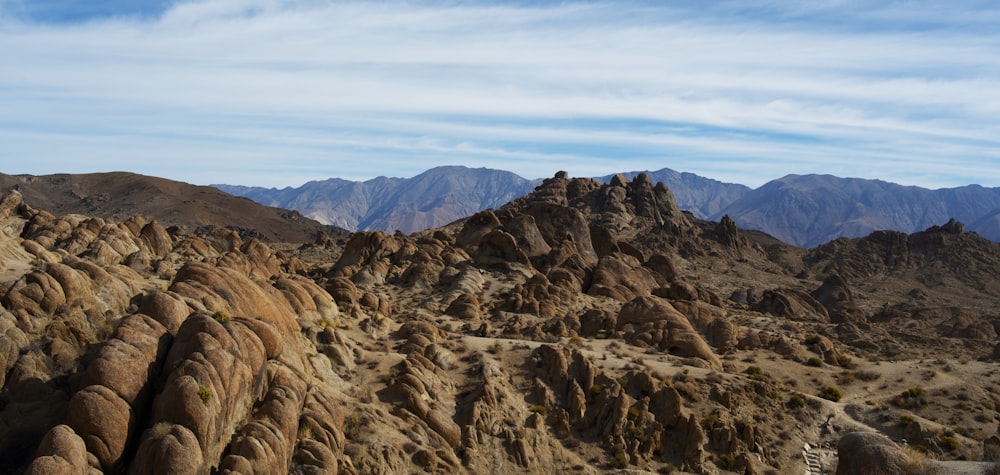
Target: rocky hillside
[
  {"x": 119, "y": 195},
  {"x": 810, "y": 210},
  {"x": 584, "y": 328}
]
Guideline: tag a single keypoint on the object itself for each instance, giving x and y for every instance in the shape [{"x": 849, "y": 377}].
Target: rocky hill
[
  {"x": 119, "y": 195},
  {"x": 809, "y": 210},
  {"x": 704, "y": 197},
  {"x": 583, "y": 328}
]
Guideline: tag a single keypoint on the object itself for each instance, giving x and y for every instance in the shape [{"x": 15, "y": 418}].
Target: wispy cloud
[{"x": 278, "y": 92}]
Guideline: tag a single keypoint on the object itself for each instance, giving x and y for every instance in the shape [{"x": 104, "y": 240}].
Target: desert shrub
[
  {"x": 811, "y": 340},
  {"x": 727, "y": 461},
  {"x": 867, "y": 375},
  {"x": 620, "y": 457},
  {"x": 913, "y": 392},
  {"x": 596, "y": 389},
  {"x": 814, "y": 362},
  {"x": 912, "y": 397},
  {"x": 948, "y": 442},
  {"x": 755, "y": 373},
  {"x": 538, "y": 409},
  {"x": 221, "y": 316},
  {"x": 830, "y": 393},
  {"x": 916, "y": 463},
  {"x": 708, "y": 422},
  {"x": 905, "y": 420},
  {"x": 796, "y": 401},
  {"x": 205, "y": 393}
]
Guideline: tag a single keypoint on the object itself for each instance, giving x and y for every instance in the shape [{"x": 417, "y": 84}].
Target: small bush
[
  {"x": 205, "y": 393},
  {"x": 867, "y": 375},
  {"x": 796, "y": 401},
  {"x": 708, "y": 422},
  {"x": 830, "y": 393},
  {"x": 912, "y": 397},
  {"x": 913, "y": 392},
  {"x": 596, "y": 389},
  {"x": 814, "y": 362},
  {"x": 916, "y": 462},
  {"x": 905, "y": 420},
  {"x": 221, "y": 316},
  {"x": 621, "y": 457},
  {"x": 948, "y": 442},
  {"x": 811, "y": 340},
  {"x": 755, "y": 373},
  {"x": 538, "y": 409},
  {"x": 727, "y": 461}
]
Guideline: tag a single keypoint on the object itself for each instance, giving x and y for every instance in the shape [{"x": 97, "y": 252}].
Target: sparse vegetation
[
  {"x": 814, "y": 362},
  {"x": 756, "y": 373},
  {"x": 205, "y": 393},
  {"x": 726, "y": 461},
  {"x": 948, "y": 442},
  {"x": 221, "y": 316},
  {"x": 796, "y": 401},
  {"x": 830, "y": 393}
]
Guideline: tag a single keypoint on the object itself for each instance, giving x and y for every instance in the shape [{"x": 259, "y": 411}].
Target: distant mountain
[
  {"x": 988, "y": 226},
  {"x": 809, "y": 210},
  {"x": 119, "y": 195},
  {"x": 704, "y": 197},
  {"x": 804, "y": 210},
  {"x": 433, "y": 198}
]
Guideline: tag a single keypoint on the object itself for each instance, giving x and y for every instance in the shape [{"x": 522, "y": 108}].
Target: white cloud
[{"x": 357, "y": 89}]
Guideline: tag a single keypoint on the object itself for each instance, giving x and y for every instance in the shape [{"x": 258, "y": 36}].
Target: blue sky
[{"x": 280, "y": 92}]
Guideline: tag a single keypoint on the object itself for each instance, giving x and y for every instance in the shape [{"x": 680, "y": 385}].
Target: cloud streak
[{"x": 228, "y": 90}]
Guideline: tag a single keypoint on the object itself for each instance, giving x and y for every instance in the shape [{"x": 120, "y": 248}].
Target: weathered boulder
[
  {"x": 498, "y": 248},
  {"x": 792, "y": 304},
  {"x": 621, "y": 277},
  {"x": 559, "y": 224},
  {"x": 168, "y": 449},
  {"x": 61, "y": 452},
  {"x": 868, "y": 453},
  {"x": 669, "y": 329}
]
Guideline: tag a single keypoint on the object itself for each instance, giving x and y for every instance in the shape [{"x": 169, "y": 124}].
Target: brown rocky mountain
[
  {"x": 118, "y": 195},
  {"x": 584, "y": 328}
]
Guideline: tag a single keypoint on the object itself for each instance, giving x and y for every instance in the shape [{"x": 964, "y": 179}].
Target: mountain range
[{"x": 803, "y": 210}]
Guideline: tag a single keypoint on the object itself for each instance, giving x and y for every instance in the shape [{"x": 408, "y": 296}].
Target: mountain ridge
[
  {"x": 808, "y": 210},
  {"x": 804, "y": 210},
  {"x": 118, "y": 195}
]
